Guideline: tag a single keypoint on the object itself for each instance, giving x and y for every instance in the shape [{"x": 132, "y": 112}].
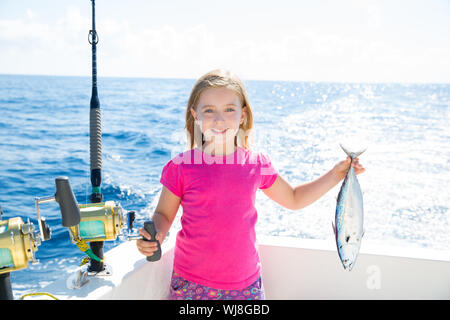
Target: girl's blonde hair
[{"x": 219, "y": 79}]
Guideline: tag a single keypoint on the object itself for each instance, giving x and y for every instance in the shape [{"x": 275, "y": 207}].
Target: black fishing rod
[{"x": 95, "y": 136}]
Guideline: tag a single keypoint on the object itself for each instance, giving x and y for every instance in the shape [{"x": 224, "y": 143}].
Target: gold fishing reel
[
  {"x": 18, "y": 244},
  {"x": 86, "y": 222},
  {"x": 99, "y": 222},
  {"x": 19, "y": 241},
  {"x": 93, "y": 222}
]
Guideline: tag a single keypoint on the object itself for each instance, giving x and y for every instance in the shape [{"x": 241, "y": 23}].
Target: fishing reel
[
  {"x": 94, "y": 222},
  {"x": 18, "y": 243},
  {"x": 99, "y": 222},
  {"x": 104, "y": 221}
]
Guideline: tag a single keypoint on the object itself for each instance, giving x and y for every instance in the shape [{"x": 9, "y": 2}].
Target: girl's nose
[{"x": 218, "y": 117}]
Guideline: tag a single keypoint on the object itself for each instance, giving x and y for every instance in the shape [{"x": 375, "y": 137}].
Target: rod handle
[{"x": 149, "y": 226}]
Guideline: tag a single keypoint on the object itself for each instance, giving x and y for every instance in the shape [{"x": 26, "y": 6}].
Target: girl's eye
[
  {"x": 207, "y": 111},
  {"x": 230, "y": 109}
]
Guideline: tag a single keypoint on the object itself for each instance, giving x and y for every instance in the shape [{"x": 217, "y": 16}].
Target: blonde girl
[{"x": 215, "y": 181}]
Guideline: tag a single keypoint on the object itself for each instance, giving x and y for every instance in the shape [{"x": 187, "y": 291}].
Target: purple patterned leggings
[{"x": 182, "y": 289}]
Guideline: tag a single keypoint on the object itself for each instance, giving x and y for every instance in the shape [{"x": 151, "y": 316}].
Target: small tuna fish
[{"x": 349, "y": 217}]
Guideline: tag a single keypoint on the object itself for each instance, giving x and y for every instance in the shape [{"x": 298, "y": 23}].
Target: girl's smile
[{"x": 218, "y": 131}]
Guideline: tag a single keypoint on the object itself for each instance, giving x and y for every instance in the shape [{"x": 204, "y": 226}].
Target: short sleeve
[
  {"x": 171, "y": 178},
  {"x": 268, "y": 172}
]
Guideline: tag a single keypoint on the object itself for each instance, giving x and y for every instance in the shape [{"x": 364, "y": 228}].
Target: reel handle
[
  {"x": 70, "y": 212},
  {"x": 149, "y": 226},
  {"x": 131, "y": 216},
  {"x": 68, "y": 204},
  {"x": 46, "y": 232}
]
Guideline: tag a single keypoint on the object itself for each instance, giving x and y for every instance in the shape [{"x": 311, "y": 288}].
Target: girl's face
[{"x": 219, "y": 113}]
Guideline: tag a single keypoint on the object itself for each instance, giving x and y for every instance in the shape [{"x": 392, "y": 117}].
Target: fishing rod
[
  {"x": 95, "y": 135},
  {"x": 89, "y": 225},
  {"x": 100, "y": 221},
  {"x": 19, "y": 241},
  {"x": 95, "y": 144}
]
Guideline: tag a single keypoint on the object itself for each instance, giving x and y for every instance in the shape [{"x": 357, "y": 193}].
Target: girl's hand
[
  {"x": 147, "y": 248},
  {"x": 341, "y": 168}
]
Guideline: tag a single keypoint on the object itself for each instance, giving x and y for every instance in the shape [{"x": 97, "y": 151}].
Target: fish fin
[
  {"x": 345, "y": 150},
  {"x": 334, "y": 228},
  {"x": 360, "y": 152},
  {"x": 352, "y": 154}
]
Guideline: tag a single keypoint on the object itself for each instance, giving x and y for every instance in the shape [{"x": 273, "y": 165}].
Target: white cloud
[
  {"x": 30, "y": 14},
  {"x": 61, "y": 48}
]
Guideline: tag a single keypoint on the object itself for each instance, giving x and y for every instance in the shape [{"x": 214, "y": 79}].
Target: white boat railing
[{"x": 291, "y": 269}]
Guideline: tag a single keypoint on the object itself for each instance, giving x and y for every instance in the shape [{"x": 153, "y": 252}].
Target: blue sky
[{"x": 347, "y": 40}]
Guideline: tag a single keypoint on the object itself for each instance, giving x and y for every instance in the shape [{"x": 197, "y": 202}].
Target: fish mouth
[
  {"x": 348, "y": 267},
  {"x": 348, "y": 260}
]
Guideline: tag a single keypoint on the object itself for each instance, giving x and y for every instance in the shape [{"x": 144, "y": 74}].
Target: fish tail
[{"x": 351, "y": 154}]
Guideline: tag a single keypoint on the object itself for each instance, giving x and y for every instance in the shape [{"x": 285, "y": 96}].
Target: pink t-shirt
[{"x": 216, "y": 246}]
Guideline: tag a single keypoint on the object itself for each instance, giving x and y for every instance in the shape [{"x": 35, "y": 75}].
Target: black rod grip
[
  {"x": 6, "y": 292},
  {"x": 97, "y": 248},
  {"x": 149, "y": 226},
  {"x": 68, "y": 204}
]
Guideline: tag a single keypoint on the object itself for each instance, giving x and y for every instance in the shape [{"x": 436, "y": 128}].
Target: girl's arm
[
  {"x": 303, "y": 195},
  {"x": 165, "y": 213}
]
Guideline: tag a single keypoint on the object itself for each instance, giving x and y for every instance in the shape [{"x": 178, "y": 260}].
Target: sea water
[{"x": 44, "y": 133}]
